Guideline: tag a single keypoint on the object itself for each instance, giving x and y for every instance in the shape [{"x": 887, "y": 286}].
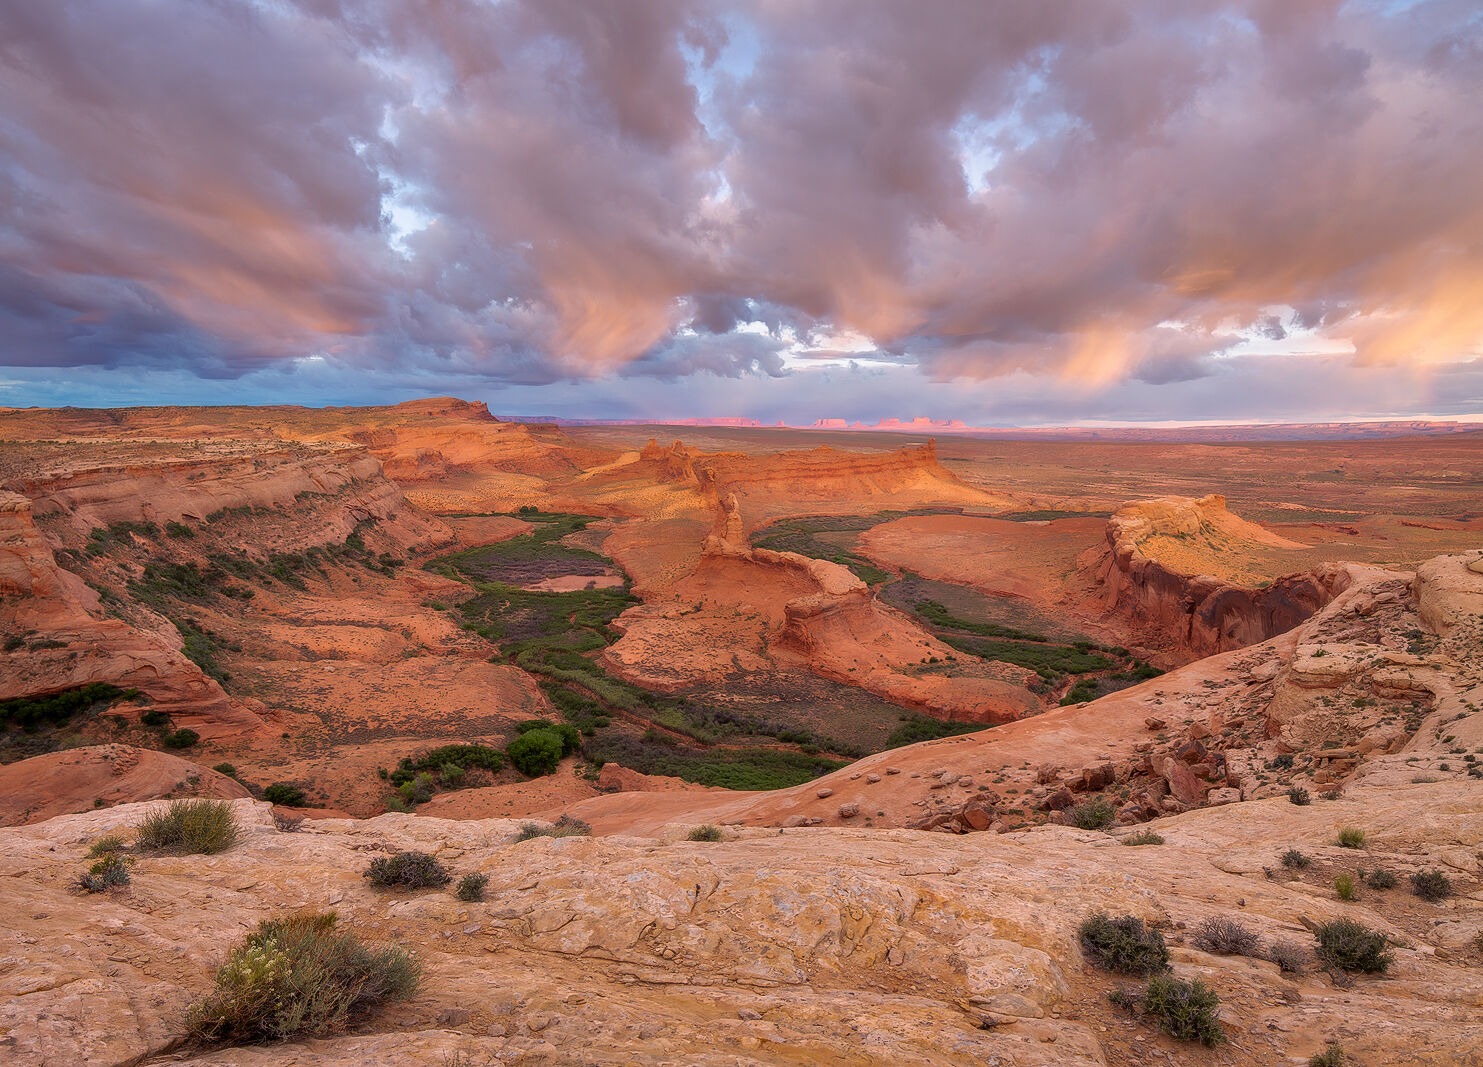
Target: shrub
[
  {"x": 189, "y": 827},
  {"x": 407, "y": 870},
  {"x": 706, "y": 833},
  {"x": 228, "y": 769},
  {"x": 1351, "y": 837},
  {"x": 107, "y": 845},
  {"x": 1299, "y": 796},
  {"x": 565, "y": 826},
  {"x": 155, "y": 718},
  {"x": 1093, "y": 815},
  {"x": 1344, "y": 886},
  {"x": 450, "y": 775},
  {"x": 290, "y": 796},
  {"x": 1431, "y": 885},
  {"x": 1282, "y": 762},
  {"x": 1226, "y": 936},
  {"x": 1124, "y": 945},
  {"x": 1143, "y": 837},
  {"x": 471, "y": 887},
  {"x": 1351, "y": 946},
  {"x": 112, "y": 870},
  {"x": 536, "y": 752},
  {"x": 182, "y": 738},
  {"x": 1294, "y": 860},
  {"x": 1184, "y": 1010},
  {"x": 417, "y": 791},
  {"x": 1380, "y": 879},
  {"x": 1333, "y": 1056},
  {"x": 1289, "y": 956},
  {"x": 300, "y": 976}
]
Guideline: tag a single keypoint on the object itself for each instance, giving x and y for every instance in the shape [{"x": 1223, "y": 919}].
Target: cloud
[{"x": 530, "y": 193}]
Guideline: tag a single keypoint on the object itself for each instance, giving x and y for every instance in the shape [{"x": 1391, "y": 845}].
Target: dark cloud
[{"x": 545, "y": 191}]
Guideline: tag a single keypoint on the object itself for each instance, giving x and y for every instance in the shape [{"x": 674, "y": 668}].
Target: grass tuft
[
  {"x": 301, "y": 975},
  {"x": 187, "y": 827}
]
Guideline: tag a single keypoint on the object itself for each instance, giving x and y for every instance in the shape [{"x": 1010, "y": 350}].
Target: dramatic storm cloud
[{"x": 1112, "y": 203}]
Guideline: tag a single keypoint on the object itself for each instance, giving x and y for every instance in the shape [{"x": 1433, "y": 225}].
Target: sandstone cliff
[{"x": 1190, "y": 611}]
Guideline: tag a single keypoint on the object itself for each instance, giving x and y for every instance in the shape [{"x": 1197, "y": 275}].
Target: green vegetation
[
  {"x": 107, "y": 845},
  {"x": 1344, "y": 886},
  {"x": 1431, "y": 885},
  {"x": 1380, "y": 878},
  {"x": 290, "y": 796},
  {"x": 407, "y": 870},
  {"x": 541, "y": 745},
  {"x": 939, "y": 616},
  {"x": 1125, "y": 945},
  {"x": 182, "y": 738},
  {"x": 552, "y": 636},
  {"x": 57, "y": 709},
  {"x": 565, "y": 826},
  {"x": 730, "y": 768},
  {"x": 1092, "y": 815},
  {"x": 471, "y": 888},
  {"x": 201, "y": 647},
  {"x": 1226, "y": 936},
  {"x": 1294, "y": 860},
  {"x": 1299, "y": 796},
  {"x": 179, "y": 529},
  {"x": 1351, "y": 837},
  {"x": 916, "y": 728},
  {"x": 1290, "y": 957},
  {"x": 1183, "y": 1010},
  {"x": 187, "y": 827},
  {"x": 109, "y": 871},
  {"x": 1051, "y": 662},
  {"x": 1333, "y": 1056},
  {"x": 1143, "y": 837},
  {"x": 300, "y": 975},
  {"x": 228, "y": 769},
  {"x": 446, "y": 765},
  {"x": 1350, "y": 946},
  {"x": 705, "y": 833},
  {"x": 801, "y": 535}
]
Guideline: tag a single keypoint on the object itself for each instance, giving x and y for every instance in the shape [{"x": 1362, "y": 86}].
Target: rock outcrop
[
  {"x": 1199, "y": 614},
  {"x": 58, "y": 783}
]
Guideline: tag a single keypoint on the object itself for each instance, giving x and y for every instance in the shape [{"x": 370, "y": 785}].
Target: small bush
[
  {"x": 300, "y": 976},
  {"x": 706, "y": 833},
  {"x": 155, "y": 718},
  {"x": 471, "y": 887},
  {"x": 228, "y": 769},
  {"x": 1351, "y": 946},
  {"x": 1125, "y": 945},
  {"x": 1380, "y": 878},
  {"x": 188, "y": 827},
  {"x": 1351, "y": 837},
  {"x": 290, "y": 796},
  {"x": 1431, "y": 885},
  {"x": 107, "y": 845},
  {"x": 1143, "y": 837},
  {"x": 1344, "y": 886},
  {"x": 1333, "y": 1056},
  {"x": 1299, "y": 796},
  {"x": 450, "y": 775},
  {"x": 1282, "y": 762},
  {"x": 1183, "y": 1010},
  {"x": 1294, "y": 860},
  {"x": 1226, "y": 936},
  {"x": 407, "y": 870},
  {"x": 565, "y": 826},
  {"x": 1093, "y": 815},
  {"x": 182, "y": 738},
  {"x": 110, "y": 871},
  {"x": 535, "y": 753},
  {"x": 1289, "y": 956}
]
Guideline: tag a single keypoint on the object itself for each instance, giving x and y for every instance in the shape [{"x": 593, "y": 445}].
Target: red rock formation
[
  {"x": 1200, "y": 614},
  {"x": 75, "y": 780}
]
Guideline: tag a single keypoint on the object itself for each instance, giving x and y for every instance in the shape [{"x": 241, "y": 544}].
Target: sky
[{"x": 1026, "y": 212}]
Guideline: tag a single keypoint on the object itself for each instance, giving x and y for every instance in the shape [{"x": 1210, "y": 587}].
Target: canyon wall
[{"x": 1199, "y": 614}]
